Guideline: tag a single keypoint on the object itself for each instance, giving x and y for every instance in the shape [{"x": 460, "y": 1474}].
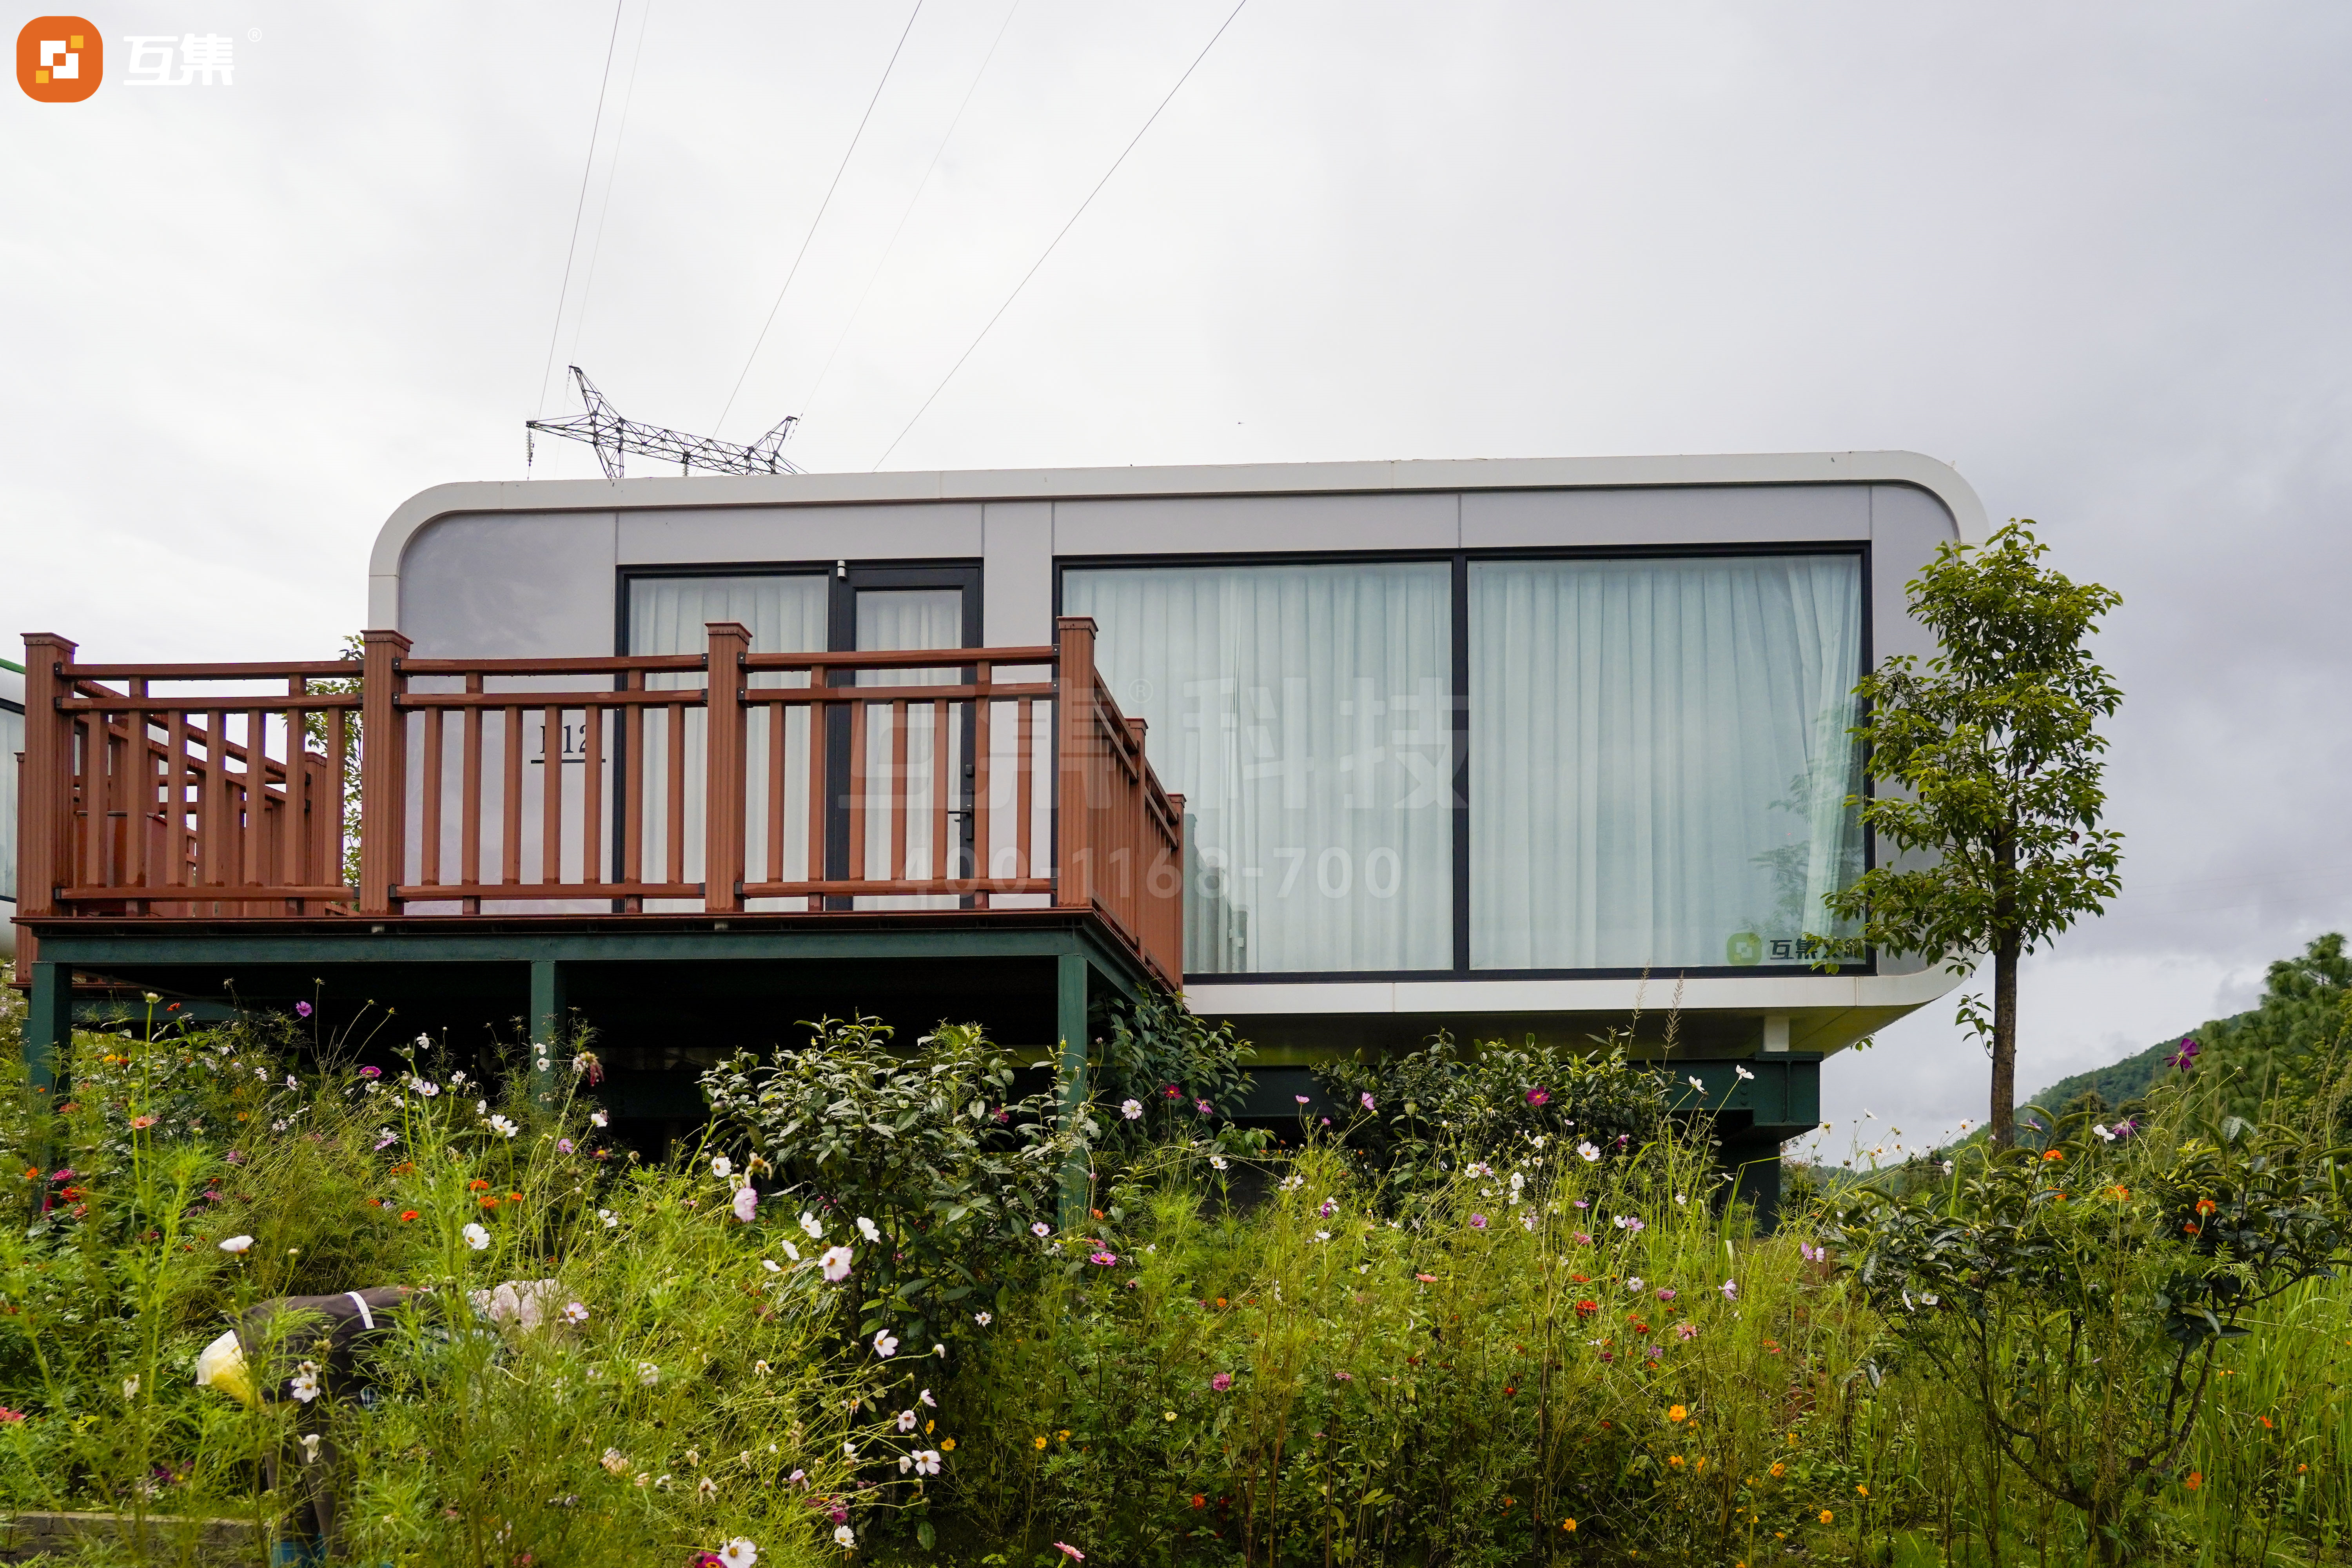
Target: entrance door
[{"x": 879, "y": 609}]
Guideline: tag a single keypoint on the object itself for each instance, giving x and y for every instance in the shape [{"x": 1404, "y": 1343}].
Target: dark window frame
[{"x": 1460, "y": 561}]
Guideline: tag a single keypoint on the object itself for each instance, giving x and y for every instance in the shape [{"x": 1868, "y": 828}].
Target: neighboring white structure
[{"x": 1500, "y": 746}]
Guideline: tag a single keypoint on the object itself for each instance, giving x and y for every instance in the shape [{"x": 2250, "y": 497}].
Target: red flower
[
  {"x": 407, "y": 1215},
  {"x": 1198, "y": 1501},
  {"x": 1586, "y": 1308}
]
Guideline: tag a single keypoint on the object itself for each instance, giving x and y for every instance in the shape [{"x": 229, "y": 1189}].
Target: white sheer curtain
[
  {"x": 671, "y": 614},
  {"x": 889, "y": 619},
  {"x": 1659, "y": 759},
  {"x": 1304, "y": 713},
  {"x": 12, "y": 741}
]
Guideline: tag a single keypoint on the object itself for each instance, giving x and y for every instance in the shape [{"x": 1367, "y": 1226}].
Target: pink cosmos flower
[
  {"x": 302, "y": 1009},
  {"x": 1477, "y": 1222},
  {"x": 1103, "y": 1259},
  {"x": 1222, "y": 1382},
  {"x": 1539, "y": 1097},
  {"x": 1075, "y": 1554},
  {"x": 1367, "y": 1097},
  {"x": 747, "y": 1204}
]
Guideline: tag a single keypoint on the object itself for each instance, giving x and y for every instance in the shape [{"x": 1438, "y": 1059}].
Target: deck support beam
[
  {"x": 1071, "y": 974},
  {"x": 48, "y": 1031},
  {"x": 546, "y": 1027}
]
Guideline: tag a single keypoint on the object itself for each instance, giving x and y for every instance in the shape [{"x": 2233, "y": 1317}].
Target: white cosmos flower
[
  {"x": 925, "y": 1398},
  {"x": 886, "y": 1343},
  {"x": 722, "y": 1166},
  {"x": 771, "y": 1265},
  {"x": 835, "y": 1264},
  {"x": 131, "y": 1388},
  {"x": 599, "y": 1118},
  {"x": 849, "y": 1450},
  {"x": 1216, "y": 1162},
  {"x": 237, "y": 1244},
  {"x": 1041, "y": 1229},
  {"x": 1634, "y": 1284},
  {"x": 905, "y": 1463},
  {"x": 476, "y": 1238},
  {"x": 927, "y": 1461},
  {"x": 503, "y": 1127},
  {"x": 813, "y": 1226},
  {"x": 1132, "y": 1110},
  {"x": 907, "y": 1420},
  {"x": 1742, "y": 1071},
  {"x": 303, "y": 1386},
  {"x": 576, "y": 1312},
  {"x": 740, "y": 1553},
  {"x": 1588, "y": 1152},
  {"x": 609, "y": 1217},
  {"x": 983, "y": 1319},
  {"x": 792, "y": 1252},
  {"x": 869, "y": 1229},
  {"x": 844, "y": 1537},
  {"x": 706, "y": 1489},
  {"x": 1699, "y": 1084},
  {"x": 311, "y": 1441}
]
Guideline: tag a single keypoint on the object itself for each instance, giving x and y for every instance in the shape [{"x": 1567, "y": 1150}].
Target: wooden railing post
[
  {"x": 1075, "y": 749},
  {"x": 383, "y": 770},
  {"x": 44, "y": 811},
  {"x": 722, "y": 768}
]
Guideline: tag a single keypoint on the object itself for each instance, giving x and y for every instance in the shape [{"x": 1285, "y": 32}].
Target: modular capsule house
[{"x": 1351, "y": 754}]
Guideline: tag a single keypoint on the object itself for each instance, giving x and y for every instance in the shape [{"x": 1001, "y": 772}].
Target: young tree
[{"x": 1993, "y": 751}]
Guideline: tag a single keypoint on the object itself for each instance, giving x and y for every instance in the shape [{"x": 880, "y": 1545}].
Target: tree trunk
[
  {"x": 2004, "y": 997},
  {"x": 2004, "y": 1045}
]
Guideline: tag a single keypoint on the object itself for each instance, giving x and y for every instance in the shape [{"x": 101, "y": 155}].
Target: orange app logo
[{"x": 59, "y": 59}]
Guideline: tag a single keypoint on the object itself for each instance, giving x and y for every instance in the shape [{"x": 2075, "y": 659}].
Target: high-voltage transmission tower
[{"x": 612, "y": 436}]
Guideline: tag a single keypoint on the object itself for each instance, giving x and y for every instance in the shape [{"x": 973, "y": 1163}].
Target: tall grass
[{"x": 1283, "y": 1361}]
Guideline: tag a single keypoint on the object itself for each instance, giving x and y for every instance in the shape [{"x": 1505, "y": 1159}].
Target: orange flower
[
  {"x": 1567, "y": 1524},
  {"x": 2266, "y": 1422},
  {"x": 1827, "y": 1516},
  {"x": 514, "y": 1198},
  {"x": 1675, "y": 1461},
  {"x": 1863, "y": 1491},
  {"x": 1677, "y": 1413},
  {"x": 477, "y": 1186},
  {"x": 407, "y": 1215},
  {"x": 490, "y": 1202},
  {"x": 2051, "y": 1156},
  {"x": 2196, "y": 1479},
  {"x": 1778, "y": 1471},
  {"x": 1199, "y": 1500}
]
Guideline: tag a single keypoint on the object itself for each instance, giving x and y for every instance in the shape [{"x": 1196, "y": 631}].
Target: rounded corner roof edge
[{"x": 1003, "y": 484}]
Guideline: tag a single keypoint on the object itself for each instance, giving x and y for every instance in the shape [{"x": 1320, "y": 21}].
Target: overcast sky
[{"x": 2095, "y": 255}]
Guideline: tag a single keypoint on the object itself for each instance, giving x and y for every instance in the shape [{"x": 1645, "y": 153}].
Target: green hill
[{"x": 2117, "y": 1081}]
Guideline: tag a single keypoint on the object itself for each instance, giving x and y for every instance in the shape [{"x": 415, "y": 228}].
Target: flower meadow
[{"x": 898, "y": 1305}]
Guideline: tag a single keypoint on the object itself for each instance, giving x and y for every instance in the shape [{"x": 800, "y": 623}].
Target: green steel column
[
  {"x": 1070, "y": 1019},
  {"x": 546, "y": 1027},
  {"x": 48, "y": 1032}
]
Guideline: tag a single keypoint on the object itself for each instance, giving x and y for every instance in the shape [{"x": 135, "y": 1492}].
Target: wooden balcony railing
[{"x": 716, "y": 783}]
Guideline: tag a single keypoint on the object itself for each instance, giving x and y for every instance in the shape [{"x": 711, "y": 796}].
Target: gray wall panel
[
  {"x": 502, "y": 585},
  {"x": 1218, "y": 524},
  {"x": 662, "y": 537},
  {"x": 1728, "y": 514},
  {"x": 1016, "y": 575}
]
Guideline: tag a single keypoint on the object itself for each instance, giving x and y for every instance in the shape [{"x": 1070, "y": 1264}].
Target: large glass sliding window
[
  {"x": 1304, "y": 711},
  {"x": 1659, "y": 759}
]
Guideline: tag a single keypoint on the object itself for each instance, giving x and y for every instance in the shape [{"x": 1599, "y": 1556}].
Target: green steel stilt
[
  {"x": 546, "y": 1028},
  {"x": 1070, "y": 1019},
  {"x": 48, "y": 1034}
]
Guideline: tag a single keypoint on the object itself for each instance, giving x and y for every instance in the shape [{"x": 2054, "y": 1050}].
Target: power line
[
  {"x": 805, "y": 239},
  {"x": 1063, "y": 230},
  {"x": 920, "y": 185},
  {"x": 555, "y": 331},
  {"x": 612, "y": 175}
]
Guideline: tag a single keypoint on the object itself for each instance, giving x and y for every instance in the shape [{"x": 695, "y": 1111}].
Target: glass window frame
[
  {"x": 1460, "y": 560},
  {"x": 8, "y": 807}
]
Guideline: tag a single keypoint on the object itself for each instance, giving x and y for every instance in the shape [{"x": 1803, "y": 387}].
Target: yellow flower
[
  {"x": 946, "y": 1445},
  {"x": 1827, "y": 1516},
  {"x": 1677, "y": 1413},
  {"x": 1567, "y": 1524},
  {"x": 1064, "y": 1435},
  {"x": 1778, "y": 1471},
  {"x": 1863, "y": 1491},
  {"x": 1675, "y": 1461},
  {"x": 1040, "y": 1443},
  {"x": 929, "y": 1425}
]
